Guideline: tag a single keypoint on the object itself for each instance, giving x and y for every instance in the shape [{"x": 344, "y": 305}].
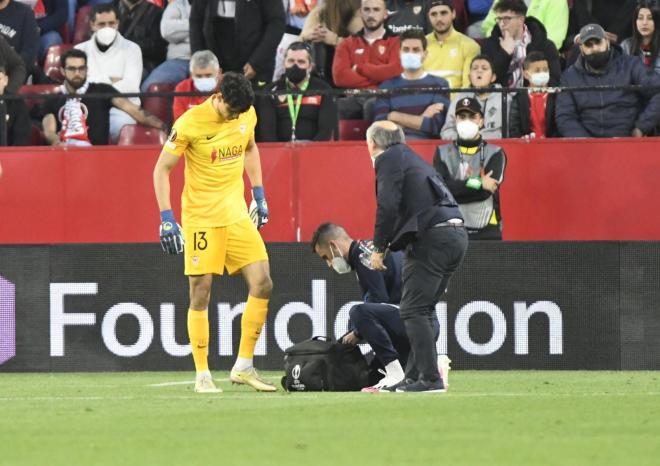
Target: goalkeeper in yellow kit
[{"x": 217, "y": 140}]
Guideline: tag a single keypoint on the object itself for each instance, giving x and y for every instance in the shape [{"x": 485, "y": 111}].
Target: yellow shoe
[
  {"x": 251, "y": 377},
  {"x": 204, "y": 384}
]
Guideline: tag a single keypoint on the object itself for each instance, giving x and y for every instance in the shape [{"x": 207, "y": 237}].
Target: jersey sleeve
[{"x": 178, "y": 140}]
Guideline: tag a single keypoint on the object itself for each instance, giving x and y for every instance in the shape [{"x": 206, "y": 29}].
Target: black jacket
[
  {"x": 13, "y": 64},
  {"x": 258, "y": 28},
  {"x": 411, "y": 197},
  {"x": 19, "y": 27},
  {"x": 540, "y": 43},
  {"x": 142, "y": 26},
  {"x": 18, "y": 122},
  {"x": 317, "y": 120},
  {"x": 377, "y": 287},
  {"x": 611, "y": 113},
  {"x": 519, "y": 121},
  {"x": 56, "y": 16}
]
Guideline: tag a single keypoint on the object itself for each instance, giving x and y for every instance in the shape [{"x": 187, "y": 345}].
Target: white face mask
[
  {"x": 106, "y": 36},
  {"x": 411, "y": 61},
  {"x": 539, "y": 79},
  {"x": 467, "y": 129},
  {"x": 339, "y": 264},
  {"x": 205, "y": 84}
]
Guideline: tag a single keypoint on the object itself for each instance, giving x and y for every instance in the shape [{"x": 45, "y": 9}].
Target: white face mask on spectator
[
  {"x": 467, "y": 130},
  {"x": 205, "y": 84},
  {"x": 106, "y": 36},
  {"x": 411, "y": 61},
  {"x": 539, "y": 79}
]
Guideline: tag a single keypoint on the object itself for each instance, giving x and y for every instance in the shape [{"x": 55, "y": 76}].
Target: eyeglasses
[
  {"x": 75, "y": 69},
  {"x": 505, "y": 19}
]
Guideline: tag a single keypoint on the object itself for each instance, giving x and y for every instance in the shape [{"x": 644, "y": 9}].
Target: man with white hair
[
  {"x": 205, "y": 75},
  {"x": 416, "y": 212}
]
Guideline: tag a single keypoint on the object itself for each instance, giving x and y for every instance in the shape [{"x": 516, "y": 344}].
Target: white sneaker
[
  {"x": 443, "y": 368},
  {"x": 382, "y": 385},
  {"x": 204, "y": 384}
]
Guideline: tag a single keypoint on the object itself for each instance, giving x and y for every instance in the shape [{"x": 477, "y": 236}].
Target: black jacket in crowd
[
  {"x": 142, "y": 26},
  {"x": 378, "y": 287},
  {"x": 411, "y": 197},
  {"x": 540, "y": 43},
  {"x": 14, "y": 65},
  {"x": 317, "y": 120},
  {"x": 56, "y": 15},
  {"x": 519, "y": 120},
  {"x": 19, "y": 125},
  {"x": 19, "y": 27},
  {"x": 258, "y": 28}
]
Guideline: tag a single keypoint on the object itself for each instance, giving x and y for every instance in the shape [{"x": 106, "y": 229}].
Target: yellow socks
[
  {"x": 252, "y": 321},
  {"x": 198, "y": 332}
]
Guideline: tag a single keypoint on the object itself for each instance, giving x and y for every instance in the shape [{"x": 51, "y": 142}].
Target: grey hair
[
  {"x": 204, "y": 59},
  {"x": 383, "y": 137}
]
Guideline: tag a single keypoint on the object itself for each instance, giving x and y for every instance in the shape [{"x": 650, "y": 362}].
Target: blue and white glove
[
  {"x": 171, "y": 237},
  {"x": 259, "y": 207}
]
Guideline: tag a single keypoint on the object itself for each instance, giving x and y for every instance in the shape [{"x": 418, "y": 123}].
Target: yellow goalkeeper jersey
[{"x": 214, "y": 151}]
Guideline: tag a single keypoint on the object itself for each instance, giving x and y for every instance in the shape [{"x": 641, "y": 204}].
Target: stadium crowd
[{"x": 479, "y": 46}]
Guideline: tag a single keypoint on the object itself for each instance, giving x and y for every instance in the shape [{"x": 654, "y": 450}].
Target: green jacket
[{"x": 552, "y": 13}]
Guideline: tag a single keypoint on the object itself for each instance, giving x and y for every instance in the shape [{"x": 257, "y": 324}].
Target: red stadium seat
[
  {"x": 52, "y": 62},
  {"x": 160, "y": 106},
  {"x": 353, "y": 130},
  {"x": 37, "y": 89},
  {"x": 138, "y": 134},
  {"x": 83, "y": 30}
]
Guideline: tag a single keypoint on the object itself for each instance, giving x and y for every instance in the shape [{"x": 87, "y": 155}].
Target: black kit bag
[{"x": 318, "y": 365}]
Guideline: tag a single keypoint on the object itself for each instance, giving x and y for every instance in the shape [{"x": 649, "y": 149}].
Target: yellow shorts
[{"x": 211, "y": 250}]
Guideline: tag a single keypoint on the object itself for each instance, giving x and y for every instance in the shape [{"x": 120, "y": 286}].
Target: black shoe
[
  {"x": 394, "y": 388},
  {"x": 423, "y": 386}
]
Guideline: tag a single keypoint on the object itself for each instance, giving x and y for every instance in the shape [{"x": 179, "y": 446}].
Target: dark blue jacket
[
  {"x": 378, "y": 287},
  {"x": 56, "y": 15},
  {"x": 19, "y": 27},
  {"x": 411, "y": 198},
  {"x": 608, "y": 113}
]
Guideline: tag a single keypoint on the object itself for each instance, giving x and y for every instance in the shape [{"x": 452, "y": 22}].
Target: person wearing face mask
[
  {"x": 473, "y": 170},
  {"x": 205, "y": 75},
  {"x": 294, "y": 117},
  {"x": 112, "y": 59},
  {"x": 533, "y": 112},
  {"x": 376, "y": 321},
  {"x": 416, "y": 213},
  {"x": 607, "y": 113},
  {"x": 421, "y": 115}
]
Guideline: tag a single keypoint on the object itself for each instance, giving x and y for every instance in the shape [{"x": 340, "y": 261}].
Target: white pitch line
[{"x": 190, "y": 382}]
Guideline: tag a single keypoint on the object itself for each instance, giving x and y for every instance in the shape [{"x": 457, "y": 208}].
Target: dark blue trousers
[{"x": 381, "y": 326}]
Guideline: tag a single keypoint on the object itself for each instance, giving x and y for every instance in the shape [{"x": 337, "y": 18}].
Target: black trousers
[
  {"x": 428, "y": 265},
  {"x": 381, "y": 326}
]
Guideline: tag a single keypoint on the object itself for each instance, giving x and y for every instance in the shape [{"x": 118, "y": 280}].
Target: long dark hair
[
  {"x": 336, "y": 15},
  {"x": 637, "y": 39}
]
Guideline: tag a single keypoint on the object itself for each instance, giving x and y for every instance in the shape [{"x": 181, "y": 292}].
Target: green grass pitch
[{"x": 487, "y": 418}]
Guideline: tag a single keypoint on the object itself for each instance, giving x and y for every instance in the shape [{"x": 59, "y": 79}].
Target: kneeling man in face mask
[
  {"x": 473, "y": 170},
  {"x": 294, "y": 116},
  {"x": 376, "y": 321}
]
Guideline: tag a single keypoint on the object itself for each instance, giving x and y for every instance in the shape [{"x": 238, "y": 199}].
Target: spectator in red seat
[
  {"x": 243, "y": 34},
  {"x": 14, "y": 66},
  {"x": 205, "y": 74},
  {"x": 112, "y": 59},
  {"x": 18, "y": 25},
  {"x": 289, "y": 118},
  {"x": 513, "y": 38},
  {"x": 18, "y": 117},
  {"x": 50, "y": 19},
  {"x": 175, "y": 28},
  {"x": 75, "y": 119},
  {"x": 422, "y": 114},
  {"x": 611, "y": 113},
  {"x": 366, "y": 60},
  {"x": 139, "y": 21},
  {"x": 645, "y": 41},
  {"x": 533, "y": 111}
]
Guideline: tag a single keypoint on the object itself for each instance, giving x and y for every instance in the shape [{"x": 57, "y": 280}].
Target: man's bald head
[{"x": 383, "y": 134}]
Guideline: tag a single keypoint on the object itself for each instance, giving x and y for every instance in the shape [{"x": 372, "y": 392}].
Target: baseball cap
[
  {"x": 469, "y": 104},
  {"x": 449, "y": 3},
  {"x": 591, "y": 31}
]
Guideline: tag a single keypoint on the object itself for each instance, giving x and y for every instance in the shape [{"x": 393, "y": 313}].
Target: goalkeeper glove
[
  {"x": 260, "y": 214},
  {"x": 171, "y": 238}
]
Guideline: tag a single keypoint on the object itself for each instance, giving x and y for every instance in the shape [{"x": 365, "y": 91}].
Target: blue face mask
[
  {"x": 411, "y": 61},
  {"x": 205, "y": 84}
]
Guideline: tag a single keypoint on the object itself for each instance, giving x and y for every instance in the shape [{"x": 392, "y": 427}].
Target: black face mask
[
  {"x": 295, "y": 74},
  {"x": 597, "y": 60}
]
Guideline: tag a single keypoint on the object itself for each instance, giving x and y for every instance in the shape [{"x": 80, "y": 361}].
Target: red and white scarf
[{"x": 73, "y": 116}]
